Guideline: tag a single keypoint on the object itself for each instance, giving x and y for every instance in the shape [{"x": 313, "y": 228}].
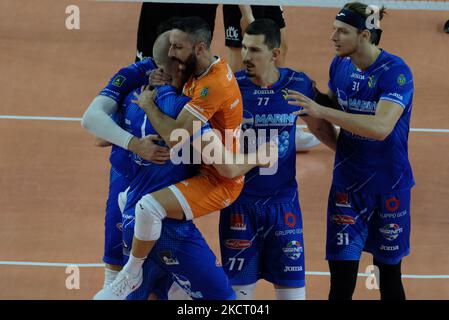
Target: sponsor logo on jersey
[
  {"x": 275, "y": 119},
  {"x": 371, "y": 82},
  {"x": 393, "y": 215},
  {"x": 248, "y": 120},
  {"x": 396, "y": 95},
  {"x": 392, "y": 204},
  {"x": 391, "y": 231},
  {"x": 292, "y": 268},
  {"x": 238, "y": 222},
  {"x": 362, "y": 105},
  {"x": 342, "y": 219},
  {"x": 288, "y": 232},
  {"x": 264, "y": 91},
  {"x": 389, "y": 248},
  {"x": 342, "y": 199},
  {"x": 118, "y": 81},
  {"x": 357, "y": 76},
  {"x": 290, "y": 219},
  {"x": 284, "y": 93},
  {"x": 401, "y": 80},
  {"x": 167, "y": 258},
  {"x": 204, "y": 92},
  {"x": 237, "y": 244},
  {"x": 293, "y": 250}
]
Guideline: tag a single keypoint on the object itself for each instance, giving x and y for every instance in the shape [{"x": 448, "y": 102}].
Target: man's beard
[{"x": 189, "y": 65}]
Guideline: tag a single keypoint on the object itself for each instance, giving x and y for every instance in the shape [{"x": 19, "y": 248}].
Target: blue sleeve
[
  {"x": 308, "y": 87},
  {"x": 396, "y": 85},
  {"x": 169, "y": 101},
  {"x": 128, "y": 79},
  {"x": 332, "y": 71}
]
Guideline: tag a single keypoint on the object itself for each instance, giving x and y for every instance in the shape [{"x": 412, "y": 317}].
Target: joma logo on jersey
[
  {"x": 269, "y": 91},
  {"x": 275, "y": 119}
]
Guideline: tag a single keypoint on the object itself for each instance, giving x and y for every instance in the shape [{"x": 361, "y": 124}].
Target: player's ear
[
  {"x": 200, "y": 48},
  {"x": 366, "y": 35},
  {"x": 275, "y": 53}
]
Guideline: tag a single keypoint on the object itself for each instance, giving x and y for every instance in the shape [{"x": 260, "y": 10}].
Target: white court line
[
  {"x": 7, "y": 117},
  {"x": 101, "y": 265},
  {"x": 10, "y": 117}
]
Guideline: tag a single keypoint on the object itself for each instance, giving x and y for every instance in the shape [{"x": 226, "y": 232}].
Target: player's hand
[
  {"x": 148, "y": 150},
  {"x": 247, "y": 16},
  {"x": 309, "y": 107},
  {"x": 158, "y": 78},
  {"x": 267, "y": 154},
  {"x": 145, "y": 99}
]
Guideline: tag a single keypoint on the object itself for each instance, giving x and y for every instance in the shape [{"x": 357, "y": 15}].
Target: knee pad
[
  {"x": 177, "y": 293},
  {"x": 149, "y": 216},
  {"x": 291, "y": 293},
  {"x": 245, "y": 292},
  {"x": 122, "y": 198}
]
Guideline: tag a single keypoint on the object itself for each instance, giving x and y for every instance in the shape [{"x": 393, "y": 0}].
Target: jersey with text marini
[
  {"x": 363, "y": 164},
  {"x": 265, "y": 110}
]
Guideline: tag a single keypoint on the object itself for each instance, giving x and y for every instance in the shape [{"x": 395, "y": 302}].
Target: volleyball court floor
[{"x": 53, "y": 181}]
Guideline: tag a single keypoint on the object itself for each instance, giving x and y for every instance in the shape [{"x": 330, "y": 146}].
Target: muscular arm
[
  {"x": 233, "y": 164},
  {"x": 323, "y": 130},
  {"x": 163, "y": 124},
  {"x": 377, "y": 126}
]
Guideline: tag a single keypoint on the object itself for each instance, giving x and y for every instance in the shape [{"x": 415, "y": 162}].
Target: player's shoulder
[
  {"x": 394, "y": 62},
  {"x": 218, "y": 72},
  {"x": 294, "y": 79},
  {"x": 144, "y": 66},
  {"x": 242, "y": 79}
]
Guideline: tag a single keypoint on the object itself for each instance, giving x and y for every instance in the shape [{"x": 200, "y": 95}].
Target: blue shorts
[
  {"x": 263, "y": 241},
  {"x": 182, "y": 255},
  {"x": 113, "y": 250},
  {"x": 375, "y": 223}
]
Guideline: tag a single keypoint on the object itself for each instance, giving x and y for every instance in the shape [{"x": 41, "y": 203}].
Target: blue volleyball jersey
[
  {"x": 128, "y": 79},
  {"x": 363, "y": 164},
  {"x": 265, "y": 109},
  {"x": 151, "y": 177}
]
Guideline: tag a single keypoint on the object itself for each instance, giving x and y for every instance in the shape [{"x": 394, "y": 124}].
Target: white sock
[
  {"x": 109, "y": 276},
  {"x": 291, "y": 294},
  {"x": 134, "y": 265}
]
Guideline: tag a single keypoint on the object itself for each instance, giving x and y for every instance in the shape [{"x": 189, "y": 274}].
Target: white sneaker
[
  {"x": 121, "y": 287},
  {"x": 305, "y": 140}
]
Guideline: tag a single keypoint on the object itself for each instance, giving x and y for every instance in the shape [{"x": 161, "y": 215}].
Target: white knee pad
[
  {"x": 122, "y": 198},
  {"x": 291, "y": 294},
  {"x": 177, "y": 293},
  {"x": 245, "y": 292},
  {"x": 149, "y": 216}
]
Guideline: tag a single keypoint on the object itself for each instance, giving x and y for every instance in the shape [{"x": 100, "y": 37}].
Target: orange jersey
[{"x": 216, "y": 98}]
